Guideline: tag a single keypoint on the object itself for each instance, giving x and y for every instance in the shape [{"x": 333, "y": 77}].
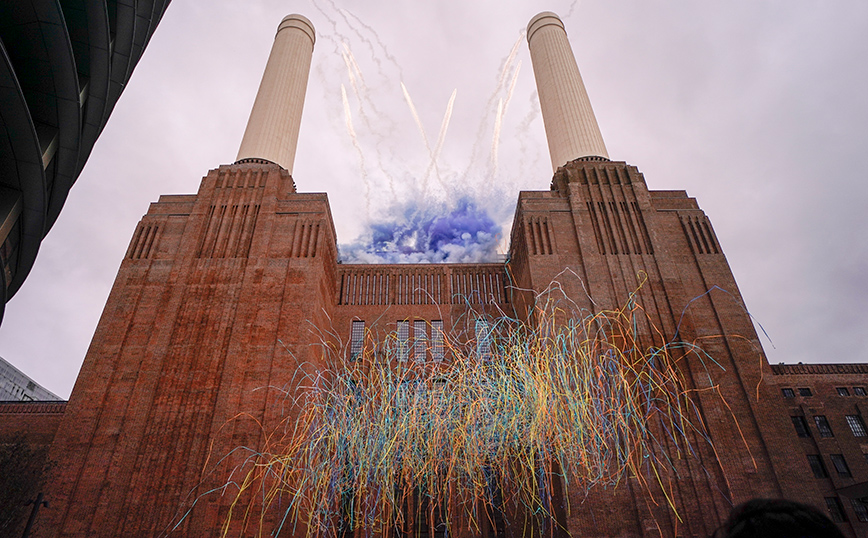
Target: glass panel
[
  {"x": 860, "y": 509},
  {"x": 357, "y": 339},
  {"x": 823, "y": 426},
  {"x": 801, "y": 426},
  {"x": 836, "y": 511},
  {"x": 817, "y": 466},
  {"x": 483, "y": 340},
  {"x": 420, "y": 340},
  {"x": 403, "y": 335},
  {"x": 437, "y": 340},
  {"x": 856, "y": 425},
  {"x": 840, "y": 464}
]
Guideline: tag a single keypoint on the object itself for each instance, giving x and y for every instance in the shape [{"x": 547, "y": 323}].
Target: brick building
[{"x": 225, "y": 297}]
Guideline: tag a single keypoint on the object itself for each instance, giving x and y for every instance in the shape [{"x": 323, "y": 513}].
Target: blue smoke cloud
[{"x": 461, "y": 232}]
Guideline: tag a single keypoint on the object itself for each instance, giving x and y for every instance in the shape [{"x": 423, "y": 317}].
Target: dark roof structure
[{"x": 63, "y": 66}]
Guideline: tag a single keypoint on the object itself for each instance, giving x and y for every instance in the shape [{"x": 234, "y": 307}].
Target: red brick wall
[
  {"x": 225, "y": 296},
  {"x": 27, "y": 430}
]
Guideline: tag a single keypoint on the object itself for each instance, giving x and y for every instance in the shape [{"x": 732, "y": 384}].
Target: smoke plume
[{"x": 458, "y": 232}]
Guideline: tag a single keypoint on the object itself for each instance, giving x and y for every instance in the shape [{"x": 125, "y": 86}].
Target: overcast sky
[{"x": 757, "y": 109}]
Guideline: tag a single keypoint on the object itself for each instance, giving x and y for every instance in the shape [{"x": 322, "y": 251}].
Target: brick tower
[{"x": 226, "y": 296}]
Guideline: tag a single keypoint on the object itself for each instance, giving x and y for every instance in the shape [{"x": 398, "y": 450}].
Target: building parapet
[
  {"x": 41, "y": 408},
  {"x": 819, "y": 369}
]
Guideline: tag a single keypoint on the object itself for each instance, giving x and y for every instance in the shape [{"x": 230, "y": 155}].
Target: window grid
[
  {"x": 788, "y": 393},
  {"x": 403, "y": 334},
  {"x": 357, "y": 339},
  {"x": 437, "y": 351},
  {"x": 840, "y": 464},
  {"x": 483, "y": 340},
  {"x": 817, "y": 466},
  {"x": 805, "y": 392},
  {"x": 856, "y": 425},
  {"x": 420, "y": 340},
  {"x": 801, "y": 426},
  {"x": 823, "y": 426},
  {"x": 836, "y": 511},
  {"x": 842, "y": 391},
  {"x": 860, "y": 509}
]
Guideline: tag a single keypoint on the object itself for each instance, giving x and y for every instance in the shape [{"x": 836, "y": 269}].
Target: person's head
[{"x": 777, "y": 518}]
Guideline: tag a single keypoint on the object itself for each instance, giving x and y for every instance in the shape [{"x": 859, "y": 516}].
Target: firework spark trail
[
  {"x": 574, "y": 393},
  {"x": 351, "y": 60},
  {"x": 512, "y": 86},
  {"x": 362, "y": 167},
  {"x": 498, "y": 120},
  {"x": 441, "y": 137},
  {"x": 510, "y": 59},
  {"x": 418, "y": 121},
  {"x": 362, "y": 94},
  {"x": 375, "y": 122},
  {"x": 483, "y": 121},
  {"x": 346, "y": 16},
  {"x": 495, "y": 139}
]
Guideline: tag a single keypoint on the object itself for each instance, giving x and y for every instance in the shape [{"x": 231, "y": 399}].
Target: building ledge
[{"x": 820, "y": 369}]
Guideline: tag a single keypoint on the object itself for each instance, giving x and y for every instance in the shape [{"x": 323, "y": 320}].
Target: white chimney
[{"x": 272, "y": 130}]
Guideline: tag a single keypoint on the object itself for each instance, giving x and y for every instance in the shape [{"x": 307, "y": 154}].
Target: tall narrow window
[
  {"x": 817, "y": 466},
  {"x": 403, "y": 336},
  {"x": 420, "y": 340},
  {"x": 483, "y": 340},
  {"x": 437, "y": 351},
  {"x": 357, "y": 339},
  {"x": 836, "y": 511},
  {"x": 840, "y": 464},
  {"x": 856, "y": 425},
  {"x": 801, "y": 426},
  {"x": 823, "y": 426}
]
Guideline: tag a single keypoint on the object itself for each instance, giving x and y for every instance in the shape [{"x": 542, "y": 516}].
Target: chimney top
[
  {"x": 301, "y": 22},
  {"x": 541, "y": 19}
]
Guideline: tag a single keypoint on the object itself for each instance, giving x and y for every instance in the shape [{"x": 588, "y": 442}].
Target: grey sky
[{"x": 758, "y": 109}]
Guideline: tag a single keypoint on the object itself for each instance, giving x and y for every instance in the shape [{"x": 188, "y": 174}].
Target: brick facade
[{"x": 225, "y": 296}]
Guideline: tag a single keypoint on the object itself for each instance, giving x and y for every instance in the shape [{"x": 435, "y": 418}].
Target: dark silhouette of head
[{"x": 777, "y": 518}]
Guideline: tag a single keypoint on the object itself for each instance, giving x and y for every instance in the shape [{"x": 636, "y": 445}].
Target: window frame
[
  {"x": 482, "y": 332},
  {"x": 438, "y": 351},
  {"x": 801, "y": 426},
  {"x": 402, "y": 337},
  {"x": 357, "y": 339},
  {"x": 823, "y": 426},
  {"x": 818, "y": 467},
  {"x": 860, "y": 509},
  {"x": 857, "y": 425},
  {"x": 835, "y": 509},
  {"x": 420, "y": 340},
  {"x": 840, "y": 465}
]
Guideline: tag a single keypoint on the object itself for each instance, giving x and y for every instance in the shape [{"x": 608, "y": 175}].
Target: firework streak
[{"x": 508, "y": 419}]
